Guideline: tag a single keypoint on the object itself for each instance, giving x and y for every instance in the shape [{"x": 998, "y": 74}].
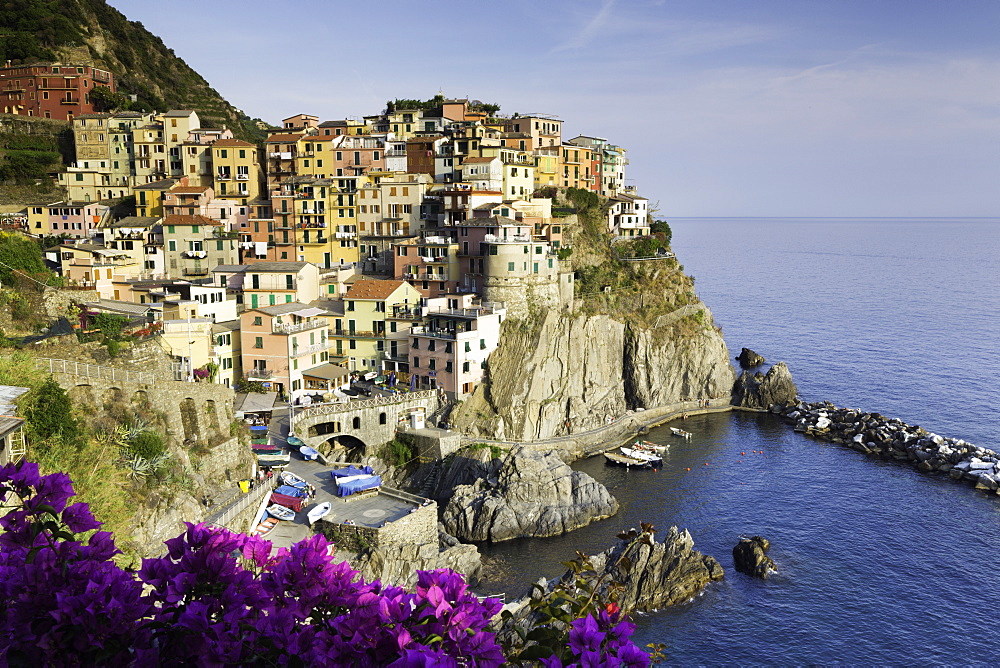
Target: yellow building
[
  {"x": 235, "y": 170},
  {"x": 367, "y": 334},
  {"x": 314, "y": 156},
  {"x": 547, "y": 161},
  {"x": 149, "y": 197}
]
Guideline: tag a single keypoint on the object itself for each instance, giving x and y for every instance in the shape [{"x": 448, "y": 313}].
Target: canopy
[
  {"x": 258, "y": 402},
  {"x": 327, "y": 372}
]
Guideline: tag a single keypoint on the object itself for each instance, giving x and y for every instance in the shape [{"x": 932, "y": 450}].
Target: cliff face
[{"x": 588, "y": 369}]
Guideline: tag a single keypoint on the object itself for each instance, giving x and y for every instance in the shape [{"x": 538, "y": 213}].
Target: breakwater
[{"x": 892, "y": 439}]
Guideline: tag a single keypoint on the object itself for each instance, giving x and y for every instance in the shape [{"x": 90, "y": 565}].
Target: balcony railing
[
  {"x": 304, "y": 326},
  {"x": 436, "y": 333},
  {"x": 223, "y": 176},
  {"x": 426, "y": 277},
  {"x": 242, "y": 177},
  {"x": 405, "y": 314},
  {"x": 195, "y": 271},
  {"x": 260, "y": 374},
  {"x": 299, "y": 351},
  {"x": 345, "y": 235},
  {"x": 512, "y": 239},
  {"x": 357, "y": 334}
]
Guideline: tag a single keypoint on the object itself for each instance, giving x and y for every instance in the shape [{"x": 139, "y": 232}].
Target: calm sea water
[{"x": 878, "y": 564}]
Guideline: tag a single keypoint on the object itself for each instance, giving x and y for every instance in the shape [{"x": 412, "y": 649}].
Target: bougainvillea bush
[{"x": 221, "y": 598}]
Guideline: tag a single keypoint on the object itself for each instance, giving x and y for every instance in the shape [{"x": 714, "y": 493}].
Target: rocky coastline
[{"x": 874, "y": 435}]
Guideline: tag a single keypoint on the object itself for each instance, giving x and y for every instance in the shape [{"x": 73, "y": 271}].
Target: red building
[{"x": 48, "y": 90}]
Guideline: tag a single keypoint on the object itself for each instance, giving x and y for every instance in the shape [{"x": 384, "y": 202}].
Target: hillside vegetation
[{"x": 92, "y": 31}]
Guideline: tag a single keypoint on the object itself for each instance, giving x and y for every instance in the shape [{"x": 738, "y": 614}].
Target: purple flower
[
  {"x": 585, "y": 635},
  {"x": 78, "y": 518}
]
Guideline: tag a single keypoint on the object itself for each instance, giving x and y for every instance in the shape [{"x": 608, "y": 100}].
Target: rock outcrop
[
  {"x": 534, "y": 494},
  {"x": 398, "y": 564},
  {"x": 756, "y": 390},
  {"x": 748, "y": 359},
  {"x": 892, "y": 439},
  {"x": 750, "y": 557},
  {"x": 565, "y": 374},
  {"x": 660, "y": 574}
]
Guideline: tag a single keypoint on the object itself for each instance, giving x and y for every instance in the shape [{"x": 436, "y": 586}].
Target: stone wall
[
  {"x": 430, "y": 445},
  {"x": 417, "y": 528}
]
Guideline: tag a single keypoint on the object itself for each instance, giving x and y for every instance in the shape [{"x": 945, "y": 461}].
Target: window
[
  {"x": 465, "y": 367},
  {"x": 172, "y": 245},
  {"x": 482, "y": 344},
  {"x": 350, "y": 306},
  {"x": 510, "y": 266},
  {"x": 416, "y": 362},
  {"x": 258, "y": 342},
  {"x": 431, "y": 345},
  {"x": 447, "y": 366},
  {"x": 432, "y": 364},
  {"x": 257, "y": 321},
  {"x": 416, "y": 344},
  {"x": 468, "y": 346}
]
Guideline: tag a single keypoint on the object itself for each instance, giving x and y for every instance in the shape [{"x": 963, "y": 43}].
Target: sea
[{"x": 878, "y": 564}]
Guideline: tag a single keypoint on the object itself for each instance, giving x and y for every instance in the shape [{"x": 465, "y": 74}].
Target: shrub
[{"x": 148, "y": 445}]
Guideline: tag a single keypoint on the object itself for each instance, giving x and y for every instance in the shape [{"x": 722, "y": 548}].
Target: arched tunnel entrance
[{"x": 338, "y": 446}]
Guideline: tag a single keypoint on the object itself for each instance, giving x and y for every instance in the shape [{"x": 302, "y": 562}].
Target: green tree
[
  {"x": 662, "y": 227},
  {"x": 106, "y": 100},
  {"x": 49, "y": 413},
  {"x": 20, "y": 254}
]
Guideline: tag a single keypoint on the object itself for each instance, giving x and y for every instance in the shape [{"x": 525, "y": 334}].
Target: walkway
[{"x": 612, "y": 435}]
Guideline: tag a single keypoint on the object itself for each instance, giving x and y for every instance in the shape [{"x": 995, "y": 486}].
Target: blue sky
[{"x": 728, "y": 108}]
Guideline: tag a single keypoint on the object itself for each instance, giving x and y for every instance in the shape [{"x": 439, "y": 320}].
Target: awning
[
  {"x": 257, "y": 402},
  {"x": 309, "y": 312},
  {"x": 327, "y": 372}
]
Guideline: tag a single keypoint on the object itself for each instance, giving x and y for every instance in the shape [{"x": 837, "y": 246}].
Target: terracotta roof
[
  {"x": 478, "y": 160},
  {"x": 369, "y": 288},
  {"x": 188, "y": 190},
  {"x": 189, "y": 220},
  {"x": 424, "y": 140},
  {"x": 232, "y": 142},
  {"x": 333, "y": 124},
  {"x": 179, "y": 113},
  {"x": 283, "y": 138}
]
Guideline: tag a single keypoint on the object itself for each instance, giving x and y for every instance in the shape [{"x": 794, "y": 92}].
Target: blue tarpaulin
[
  {"x": 350, "y": 471},
  {"x": 288, "y": 490},
  {"x": 358, "y": 484}
]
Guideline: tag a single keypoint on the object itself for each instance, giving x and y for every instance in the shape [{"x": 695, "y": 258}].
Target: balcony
[
  {"x": 76, "y": 101},
  {"x": 345, "y": 235},
  {"x": 303, "y": 326},
  {"x": 308, "y": 211},
  {"x": 195, "y": 271},
  {"x": 471, "y": 313},
  {"x": 357, "y": 334},
  {"x": 313, "y": 225},
  {"x": 281, "y": 155},
  {"x": 320, "y": 240},
  {"x": 223, "y": 176},
  {"x": 512, "y": 239},
  {"x": 299, "y": 351},
  {"x": 260, "y": 374},
  {"x": 425, "y": 277},
  {"x": 404, "y": 314},
  {"x": 436, "y": 333},
  {"x": 242, "y": 177},
  {"x": 197, "y": 254}
]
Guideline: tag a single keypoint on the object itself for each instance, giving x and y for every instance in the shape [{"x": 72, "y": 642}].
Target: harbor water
[{"x": 878, "y": 563}]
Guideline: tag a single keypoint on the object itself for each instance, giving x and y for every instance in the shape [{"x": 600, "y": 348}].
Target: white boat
[
  {"x": 635, "y": 453},
  {"x": 318, "y": 511},
  {"x": 649, "y": 446},
  {"x": 628, "y": 462},
  {"x": 680, "y": 432},
  {"x": 281, "y": 512},
  {"x": 289, "y": 478}
]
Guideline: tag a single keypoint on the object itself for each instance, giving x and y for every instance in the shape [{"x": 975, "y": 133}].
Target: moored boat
[
  {"x": 627, "y": 462},
  {"x": 649, "y": 446},
  {"x": 266, "y": 526},
  {"x": 289, "y": 478},
  {"x": 281, "y": 512},
  {"x": 680, "y": 432},
  {"x": 636, "y": 453},
  {"x": 308, "y": 454},
  {"x": 318, "y": 511},
  {"x": 294, "y": 441}
]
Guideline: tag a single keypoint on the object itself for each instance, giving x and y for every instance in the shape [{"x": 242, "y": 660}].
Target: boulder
[
  {"x": 534, "y": 494},
  {"x": 761, "y": 391},
  {"x": 750, "y": 557},
  {"x": 749, "y": 359}
]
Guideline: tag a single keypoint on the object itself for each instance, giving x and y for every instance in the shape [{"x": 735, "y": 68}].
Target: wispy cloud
[{"x": 583, "y": 36}]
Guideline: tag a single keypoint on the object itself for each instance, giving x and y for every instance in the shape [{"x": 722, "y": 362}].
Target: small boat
[
  {"x": 318, "y": 511},
  {"x": 281, "y": 512},
  {"x": 308, "y": 454},
  {"x": 680, "y": 432},
  {"x": 289, "y": 478},
  {"x": 294, "y": 441},
  {"x": 649, "y": 446},
  {"x": 627, "y": 462},
  {"x": 635, "y": 453},
  {"x": 265, "y": 527}
]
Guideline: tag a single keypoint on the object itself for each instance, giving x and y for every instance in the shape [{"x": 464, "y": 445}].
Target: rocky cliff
[
  {"x": 533, "y": 495},
  {"x": 560, "y": 373}
]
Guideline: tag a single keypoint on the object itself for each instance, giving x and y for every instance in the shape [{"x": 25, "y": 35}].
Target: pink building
[{"x": 77, "y": 219}]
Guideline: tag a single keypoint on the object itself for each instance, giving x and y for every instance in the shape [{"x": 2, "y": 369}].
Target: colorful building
[{"x": 60, "y": 91}]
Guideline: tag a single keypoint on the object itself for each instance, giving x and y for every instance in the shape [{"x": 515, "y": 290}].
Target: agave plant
[
  {"x": 138, "y": 426},
  {"x": 138, "y": 467}
]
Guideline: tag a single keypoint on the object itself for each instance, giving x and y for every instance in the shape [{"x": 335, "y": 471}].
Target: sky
[{"x": 727, "y": 108}]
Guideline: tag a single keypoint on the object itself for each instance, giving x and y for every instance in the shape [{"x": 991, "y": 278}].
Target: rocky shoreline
[{"x": 892, "y": 439}]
